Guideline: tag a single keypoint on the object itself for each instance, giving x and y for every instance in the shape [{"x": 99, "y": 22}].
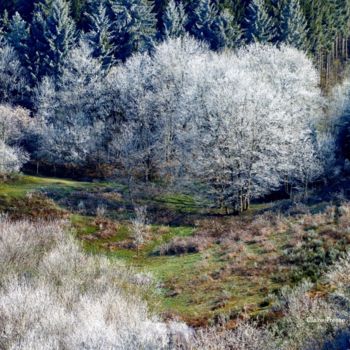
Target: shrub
[
  {"x": 11, "y": 159},
  {"x": 180, "y": 245},
  {"x": 245, "y": 337},
  {"x": 54, "y": 296}
]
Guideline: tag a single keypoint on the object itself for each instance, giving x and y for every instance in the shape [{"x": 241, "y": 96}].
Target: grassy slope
[{"x": 198, "y": 287}]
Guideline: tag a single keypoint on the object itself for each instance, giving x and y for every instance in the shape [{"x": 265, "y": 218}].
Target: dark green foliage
[
  {"x": 174, "y": 20},
  {"x": 134, "y": 26},
  {"x": 320, "y": 27},
  {"x": 100, "y": 36},
  {"x": 17, "y": 35},
  {"x": 218, "y": 29},
  {"x": 260, "y": 25},
  {"x": 52, "y": 35},
  {"x": 293, "y": 25}
]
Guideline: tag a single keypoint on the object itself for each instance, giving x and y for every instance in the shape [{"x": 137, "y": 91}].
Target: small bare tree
[{"x": 138, "y": 226}]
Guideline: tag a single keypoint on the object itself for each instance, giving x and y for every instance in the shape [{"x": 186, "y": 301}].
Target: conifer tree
[
  {"x": 293, "y": 25},
  {"x": 17, "y": 35},
  {"x": 4, "y": 22},
  {"x": 229, "y": 32},
  {"x": 218, "y": 29},
  {"x": 175, "y": 20},
  {"x": 52, "y": 35},
  {"x": 205, "y": 15},
  {"x": 60, "y": 33},
  {"x": 100, "y": 36},
  {"x": 260, "y": 26},
  {"x": 134, "y": 26}
]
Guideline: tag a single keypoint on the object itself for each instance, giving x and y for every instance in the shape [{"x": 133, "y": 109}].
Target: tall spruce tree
[
  {"x": 60, "y": 33},
  {"x": 218, "y": 29},
  {"x": 100, "y": 36},
  {"x": 52, "y": 35},
  {"x": 229, "y": 32},
  {"x": 17, "y": 35},
  {"x": 293, "y": 25},
  {"x": 134, "y": 26},
  {"x": 259, "y": 24},
  {"x": 174, "y": 20},
  {"x": 4, "y": 23}
]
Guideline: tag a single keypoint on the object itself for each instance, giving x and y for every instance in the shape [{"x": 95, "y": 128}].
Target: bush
[
  {"x": 11, "y": 159},
  {"x": 180, "y": 245},
  {"x": 54, "y": 296}
]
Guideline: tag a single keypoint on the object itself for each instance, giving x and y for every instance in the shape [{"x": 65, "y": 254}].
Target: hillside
[
  {"x": 174, "y": 174},
  {"x": 234, "y": 263}
]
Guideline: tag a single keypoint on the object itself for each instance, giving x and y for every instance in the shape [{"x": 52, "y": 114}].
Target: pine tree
[
  {"x": 60, "y": 34},
  {"x": 17, "y": 35},
  {"x": 205, "y": 15},
  {"x": 260, "y": 26},
  {"x": 175, "y": 20},
  {"x": 100, "y": 36},
  {"x": 37, "y": 46},
  {"x": 134, "y": 26},
  {"x": 52, "y": 35},
  {"x": 293, "y": 25},
  {"x": 4, "y": 23},
  {"x": 229, "y": 32},
  {"x": 218, "y": 29}
]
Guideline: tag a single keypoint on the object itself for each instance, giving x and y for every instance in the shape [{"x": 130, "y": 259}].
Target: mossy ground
[{"x": 232, "y": 276}]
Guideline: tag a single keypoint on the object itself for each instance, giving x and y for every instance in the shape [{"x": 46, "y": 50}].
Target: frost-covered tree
[
  {"x": 174, "y": 20},
  {"x": 134, "y": 26},
  {"x": 12, "y": 76},
  {"x": 4, "y": 22},
  {"x": 248, "y": 124},
  {"x": 260, "y": 25},
  {"x": 150, "y": 93},
  {"x": 11, "y": 159},
  {"x": 138, "y": 227},
  {"x": 100, "y": 36},
  {"x": 231, "y": 120},
  {"x": 14, "y": 123},
  {"x": 17, "y": 35},
  {"x": 293, "y": 25},
  {"x": 71, "y": 113}
]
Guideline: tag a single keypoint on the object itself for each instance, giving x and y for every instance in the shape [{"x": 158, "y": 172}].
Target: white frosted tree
[
  {"x": 249, "y": 120},
  {"x": 150, "y": 92},
  {"x": 14, "y": 123},
  {"x": 138, "y": 227},
  {"x": 237, "y": 122},
  {"x": 71, "y": 113},
  {"x": 12, "y": 76}
]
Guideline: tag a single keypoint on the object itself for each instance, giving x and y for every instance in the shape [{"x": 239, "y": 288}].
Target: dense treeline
[
  {"x": 221, "y": 94},
  {"x": 243, "y": 123},
  {"x": 119, "y": 28}
]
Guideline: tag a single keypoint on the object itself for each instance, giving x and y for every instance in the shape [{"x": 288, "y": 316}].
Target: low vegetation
[
  {"x": 54, "y": 296},
  {"x": 235, "y": 263},
  {"x": 199, "y": 161}
]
